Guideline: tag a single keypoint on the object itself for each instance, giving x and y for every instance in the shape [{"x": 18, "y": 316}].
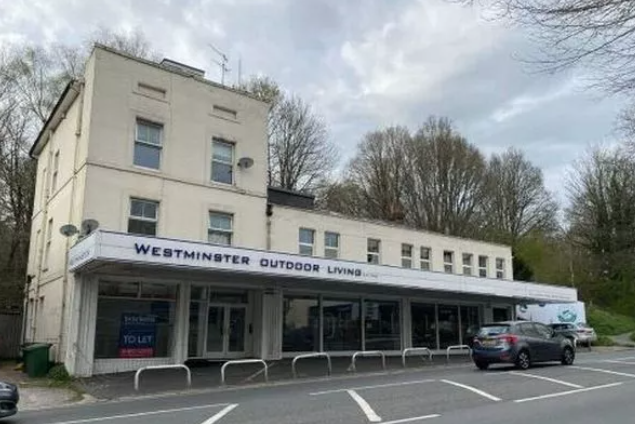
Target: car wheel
[
  {"x": 568, "y": 356},
  {"x": 482, "y": 365},
  {"x": 522, "y": 360}
]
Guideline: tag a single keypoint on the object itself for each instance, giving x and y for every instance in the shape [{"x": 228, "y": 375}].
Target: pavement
[
  {"x": 623, "y": 340},
  {"x": 600, "y": 387}
]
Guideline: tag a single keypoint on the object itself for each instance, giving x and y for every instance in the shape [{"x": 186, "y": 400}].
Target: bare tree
[
  {"x": 379, "y": 173},
  {"x": 445, "y": 188},
  {"x": 133, "y": 42},
  {"x": 344, "y": 197},
  {"x": 517, "y": 201}
]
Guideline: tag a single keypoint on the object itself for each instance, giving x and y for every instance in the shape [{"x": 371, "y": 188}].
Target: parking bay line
[
  {"x": 570, "y": 392},
  {"x": 142, "y": 414},
  {"x": 366, "y": 408},
  {"x": 409, "y": 420},
  {"x": 616, "y": 361},
  {"x": 472, "y": 389},
  {"x": 623, "y": 374},
  {"x": 552, "y": 380},
  {"x": 378, "y": 386},
  {"x": 214, "y": 418}
]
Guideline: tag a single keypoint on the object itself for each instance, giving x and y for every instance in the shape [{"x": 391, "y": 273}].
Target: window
[
  {"x": 47, "y": 248},
  {"x": 222, "y": 161},
  {"x": 382, "y": 327},
  {"x": 448, "y": 261},
  {"x": 424, "y": 325},
  {"x": 406, "y": 255},
  {"x": 225, "y": 112},
  {"x": 220, "y": 230},
  {"x": 45, "y": 187},
  {"x": 425, "y": 257},
  {"x": 301, "y": 324},
  {"x": 331, "y": 245},
  {"x": 307, "y": 240},
  {"x": 143, "y": 217},
  {"x": 448, "y": 320},
  {"x": 342, "y": 324},
  {"x": 467, "y": 263},
  {"x": 373, "y": 249},
  {"x": 482, "y": 266},
  {"x": 151, "y": 91},
  {"x": 56, "y": 168},
  {"x": 148, "y": 144},
  {"x": 500, "y": 268}
]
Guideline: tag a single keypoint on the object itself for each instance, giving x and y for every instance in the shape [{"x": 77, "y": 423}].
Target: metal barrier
[
  {"x": 244, "y": 361},
  {"x": 368, "y": 353},
  {"x": 457, "y": 347},
  {"x": 312, "y": 355},
  {"x": 415, "y": 349},
  {"x": 162, "y": 367}
]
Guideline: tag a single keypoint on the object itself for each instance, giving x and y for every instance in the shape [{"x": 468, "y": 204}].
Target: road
[{"x": 598, "y": 388}]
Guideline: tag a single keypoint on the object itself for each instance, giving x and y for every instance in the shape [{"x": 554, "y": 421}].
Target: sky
[{"x": 363, "y": 65}]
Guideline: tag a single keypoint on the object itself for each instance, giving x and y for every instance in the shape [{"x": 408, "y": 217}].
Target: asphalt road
[{"x": 599, "y": 388}]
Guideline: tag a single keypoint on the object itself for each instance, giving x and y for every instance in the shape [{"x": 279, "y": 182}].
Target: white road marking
[
  {"x": 570, "y": 392},
  {"x": 370, "y": 413},
  {"x": 473, "y": 389},
  {"x": 619, "y": 362},
  {"x": 552, "y": 380},
  {"x": 627, "y": 358},
  {"x": 623, "y": 374},
  {"x": 214, "y": 418},
  {"x": 378, "y": 386},
  {"x": 141, "y": 414},
  {"x": 408, "y": 420}
]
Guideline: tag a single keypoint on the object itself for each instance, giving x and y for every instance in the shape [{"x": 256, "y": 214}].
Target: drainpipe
[{"x": 269, "y": 214}]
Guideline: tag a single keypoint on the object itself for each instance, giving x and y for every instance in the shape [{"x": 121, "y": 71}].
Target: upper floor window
[
  {"x": 49, "y": 239},
  {"x": 144, "y": 215},
  {"x": 220, "y": 229},
  {"x": 148, "y": 144},
  {"x": 448, "y": 261},
  {"x": 222, "y": 161},
  {"x": 467, "y": 263},
  {"x": 56, "y": 169},
  {"x": 482, "y": 266},
  {"x": 425, "y": 257},
  {"x": 373, "y": 251},
  {"x": 307, "y": 241},
  {"x": 331, "y": 245},
  {"x": 406, "y": 255},
  {"x": 500, "y": 268}
]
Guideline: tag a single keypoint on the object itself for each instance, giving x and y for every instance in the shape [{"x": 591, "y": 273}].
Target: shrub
[
  {"x": 633, "y": 336},
  {"x": 604, "y": 341},
  {"x": 59, "y": 374},
  {"x": 608, "y": 323}
]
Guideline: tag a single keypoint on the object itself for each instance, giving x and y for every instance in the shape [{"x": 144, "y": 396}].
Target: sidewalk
[{"x": 207, "y": 375}]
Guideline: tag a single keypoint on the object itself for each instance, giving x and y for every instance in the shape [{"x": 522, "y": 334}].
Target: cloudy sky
[{"x": 361, "y": 64}]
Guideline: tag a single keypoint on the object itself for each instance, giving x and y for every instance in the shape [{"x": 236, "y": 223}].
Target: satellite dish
[
  {"x": 245, "y": 162},
  {"x": 89, "y": 225},
  {"x": 68, "y": 230}
]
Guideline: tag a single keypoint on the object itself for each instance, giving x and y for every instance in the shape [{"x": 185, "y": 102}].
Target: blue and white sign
[{"x": 137, "y": 335}]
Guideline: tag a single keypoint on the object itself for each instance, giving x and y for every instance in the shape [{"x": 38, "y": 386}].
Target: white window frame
[
  {"x": 483, "y": 269},
  {"x": 448, "y": 264},
  {"x": 500, "y": 271},
  {"x": 425, "y": 263},
  {"x": 335, "y": 250},
  {"x": 302, "y": 244},
  {"x": 406, "y": 261},
  {"x": 467, "y": 266},
  {"x": 219, "y": 140},
  {"x": 159, "y": 147},
  {"x": 143, "y": 218},
  {"x": 218, "y": 230},
  {"x": 370, "y": 254}
]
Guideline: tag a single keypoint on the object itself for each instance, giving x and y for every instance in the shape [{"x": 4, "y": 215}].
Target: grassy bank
[{"x": 609, "y": 324}]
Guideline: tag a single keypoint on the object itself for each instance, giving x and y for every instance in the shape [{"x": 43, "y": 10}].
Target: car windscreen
[{"x": 493, "y": 330}]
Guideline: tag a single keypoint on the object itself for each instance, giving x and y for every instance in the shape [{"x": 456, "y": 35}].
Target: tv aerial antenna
[{"x": 222, "y": 63}]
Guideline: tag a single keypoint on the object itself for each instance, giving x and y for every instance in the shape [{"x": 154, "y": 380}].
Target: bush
[
  {"x": 633, "y": 336},
  {"x": 59, "y": 374},
  {"x": 604, "y": 341},
  {"x": 608, "y": 323}
]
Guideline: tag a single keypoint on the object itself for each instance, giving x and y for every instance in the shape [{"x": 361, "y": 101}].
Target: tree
[
  {"x": 598, "y": 33},
  {"x": 300, "y": 153},
  {"x": 133, "y": 42},
  {"x": 445, "y": 184},
  {"x": 517, "y": 201}
]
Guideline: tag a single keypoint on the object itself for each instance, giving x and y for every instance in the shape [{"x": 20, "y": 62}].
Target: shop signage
[{"x": 137, "y": 335}]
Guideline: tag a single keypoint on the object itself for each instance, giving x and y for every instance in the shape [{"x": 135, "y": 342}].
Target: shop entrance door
[{"x": 226, "y": 331}]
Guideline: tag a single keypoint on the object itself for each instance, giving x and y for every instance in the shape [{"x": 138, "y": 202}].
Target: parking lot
[{"x": 434, "y": 395}]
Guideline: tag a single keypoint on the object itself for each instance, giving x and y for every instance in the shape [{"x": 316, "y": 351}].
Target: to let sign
[{"x": 137, "y": 336}]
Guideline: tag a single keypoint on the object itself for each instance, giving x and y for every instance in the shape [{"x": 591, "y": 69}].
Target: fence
[{"x": 10, "y": 334}]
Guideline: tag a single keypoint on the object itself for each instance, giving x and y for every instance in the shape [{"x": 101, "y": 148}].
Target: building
[{"x": 195, "y": 257}]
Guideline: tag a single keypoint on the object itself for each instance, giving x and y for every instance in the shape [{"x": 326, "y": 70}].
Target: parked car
[
  {"x": 568, "y": 330},
  {"x": 9, "y": 398},
  {"x": 586, "y": 334},
  {"x": 521, "y": 343}
]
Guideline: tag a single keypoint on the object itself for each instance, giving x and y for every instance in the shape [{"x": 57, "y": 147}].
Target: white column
[
  {"x": 271, "y": 347},
  {"x": 182, "y": 324},
  {"x": 406, "y": 324},
  {"x": 82, "y": 342},
  {"x": 74, "y": 307}
]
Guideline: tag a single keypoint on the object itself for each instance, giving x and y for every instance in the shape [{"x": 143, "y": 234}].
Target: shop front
[{"x": 145, "y": 301}]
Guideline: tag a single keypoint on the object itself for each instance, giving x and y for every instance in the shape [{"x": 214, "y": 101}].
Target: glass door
[
  {"x": 237, "y": 329},
  {"x": 215, "y": 345},
  {"x": 226, "y": 331}
]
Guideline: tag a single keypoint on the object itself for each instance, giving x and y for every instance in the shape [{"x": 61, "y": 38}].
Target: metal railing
[
  {"x": 188, "y": 373},
  {"x": 414, "y": 350},
  {"x": 312, "y": 355},
  {"x": 368, "y": 353},
  {"x": 244, "y": 361},
  {"x": 457, "y": 347}
]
